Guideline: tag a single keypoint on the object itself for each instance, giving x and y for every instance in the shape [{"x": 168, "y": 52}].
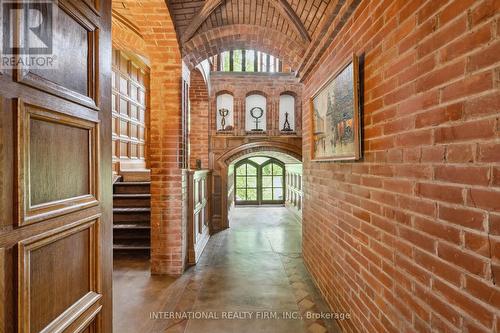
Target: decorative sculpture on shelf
[
  {"x": 257, "y": 113},
  {"x": 286, "y": 125},
  {"x": 223, "y": 113}
]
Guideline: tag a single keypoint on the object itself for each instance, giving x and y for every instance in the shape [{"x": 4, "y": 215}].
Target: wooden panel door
[{"x": 55, "y": 172}]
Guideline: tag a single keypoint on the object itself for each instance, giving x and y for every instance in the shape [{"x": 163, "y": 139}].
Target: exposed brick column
[{"x": 239, "y": 114}]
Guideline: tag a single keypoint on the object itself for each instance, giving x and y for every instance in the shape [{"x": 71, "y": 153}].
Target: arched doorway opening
[{"x": 224, "y": 179}]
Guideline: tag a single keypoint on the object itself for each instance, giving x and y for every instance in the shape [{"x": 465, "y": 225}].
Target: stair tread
[
  {"x": 132, "y": 216},
  {"x": 131, "y": 183},
  {"x": 130, "y": 247},
  {"x": 128, "y": 237},
  {"x": 131, "y": 209},
  {"x": 131, "y": 195},
  {"x": 127, "y": 226}
]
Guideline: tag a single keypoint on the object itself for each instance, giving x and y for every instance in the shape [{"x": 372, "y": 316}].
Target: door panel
[
  {"x": 41, "y": 277},
  {"x": 74, "y": 78},
  {"x": 55, "y": 181},
  {"x": 56, "y": 163}
]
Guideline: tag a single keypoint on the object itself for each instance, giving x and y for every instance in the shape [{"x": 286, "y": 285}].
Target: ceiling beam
[
  {"x": 208, "y": 7},
  {"x": 284, "y": 8}
]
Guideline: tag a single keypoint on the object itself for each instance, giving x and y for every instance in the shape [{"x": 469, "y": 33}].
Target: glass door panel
[
  {"x": 272, "y": 182},
  {"x": 246, "y": 183}
]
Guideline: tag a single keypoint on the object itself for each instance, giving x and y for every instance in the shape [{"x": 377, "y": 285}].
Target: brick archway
[
  {"x": 230, "y": 156},
  {"x": 243, "y": 36},
  {"x": 223, "y": 162}
]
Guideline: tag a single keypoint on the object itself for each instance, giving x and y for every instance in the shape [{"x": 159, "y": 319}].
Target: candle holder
[
  {"x": 223, "y": 113},
  {"x": 286, "y": 124}
]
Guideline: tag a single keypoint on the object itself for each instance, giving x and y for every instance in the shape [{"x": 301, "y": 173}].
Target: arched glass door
[
  {"x": 246, "y": 176},
  {"x": 272, "y": 182},
  {"x": 259, "y": 180}
]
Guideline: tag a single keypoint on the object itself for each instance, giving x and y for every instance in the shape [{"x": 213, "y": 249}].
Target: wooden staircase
[{"x": 131, "y": 218}]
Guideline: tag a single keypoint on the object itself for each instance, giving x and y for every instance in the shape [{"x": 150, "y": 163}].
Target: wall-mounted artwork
[{"x": 335, "y": 116}]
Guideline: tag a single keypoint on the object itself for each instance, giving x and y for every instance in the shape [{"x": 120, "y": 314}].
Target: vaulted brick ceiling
[
  {"x": 284, "y": 28},
  {"x": 274, "y": 14}
]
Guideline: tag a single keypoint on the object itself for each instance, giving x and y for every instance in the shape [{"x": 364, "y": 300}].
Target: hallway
[{"x": 254, "y": 269}]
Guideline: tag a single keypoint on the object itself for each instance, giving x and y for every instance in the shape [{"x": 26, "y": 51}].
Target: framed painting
[{"x": 335, "y": 116}]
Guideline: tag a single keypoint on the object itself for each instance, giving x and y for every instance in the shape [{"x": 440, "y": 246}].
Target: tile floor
[{"x": 252, "y": 272}]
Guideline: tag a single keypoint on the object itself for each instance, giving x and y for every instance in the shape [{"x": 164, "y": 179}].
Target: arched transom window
[{"x": 247, "y": 61}]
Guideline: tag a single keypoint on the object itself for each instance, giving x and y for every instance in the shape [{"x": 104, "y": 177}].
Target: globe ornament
[{"x": 257, "y": 113}]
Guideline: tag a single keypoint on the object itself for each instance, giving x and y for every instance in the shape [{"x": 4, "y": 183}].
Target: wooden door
[{"x": 55, "y": 173}]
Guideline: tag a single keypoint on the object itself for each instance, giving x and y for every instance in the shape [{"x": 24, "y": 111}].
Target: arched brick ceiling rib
[
  {"x": 274, "y": 14},
  {"x": 201, "y": 16},
  {"x": 243, "y": 36},
  {"x": 303, "y": 22},
  {"x": 183, "y": 12},
  {"x": 284, "y": 8},
  {"x": 310, "y": 12}
]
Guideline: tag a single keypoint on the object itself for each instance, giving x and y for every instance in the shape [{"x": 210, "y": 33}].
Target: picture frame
[{"x": 335, "y": 116}]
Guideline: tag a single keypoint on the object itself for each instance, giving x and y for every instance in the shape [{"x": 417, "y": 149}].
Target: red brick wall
[
  {"x": 161, "y": 49},
  {"x": 198, "y": 131},
  {"x": 408, "y": 240}
]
